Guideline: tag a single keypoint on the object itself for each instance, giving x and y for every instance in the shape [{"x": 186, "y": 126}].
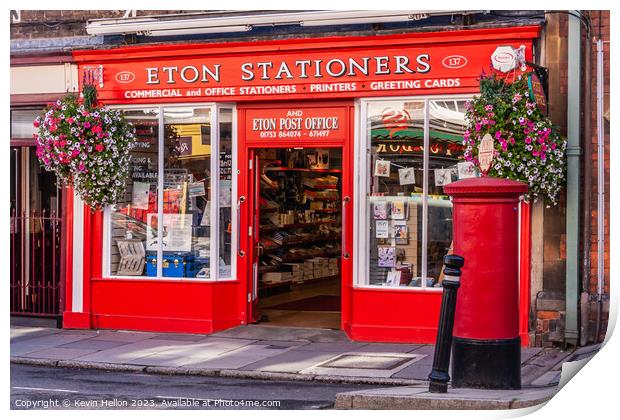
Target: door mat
[{"x": 314, "y": 303}]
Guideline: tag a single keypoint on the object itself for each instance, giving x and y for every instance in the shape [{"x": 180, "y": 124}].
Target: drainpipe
[
  {"x": 573, "y": 155},
  {"x": 601, "y": 183},
  {"x": 587, "y": 189}
]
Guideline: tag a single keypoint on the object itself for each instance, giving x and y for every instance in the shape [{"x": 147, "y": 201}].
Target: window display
[
  {"x": 173, "y": 207},
  {"x": 414, "y": 148}
]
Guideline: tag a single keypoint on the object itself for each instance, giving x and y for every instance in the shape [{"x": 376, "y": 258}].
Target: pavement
[{"x": 282, "y": 353}]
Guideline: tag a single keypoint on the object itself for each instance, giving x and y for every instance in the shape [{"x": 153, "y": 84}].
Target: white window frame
[
  {"x": 361, "y": 261},
  {"x": 214, "y": 184}
]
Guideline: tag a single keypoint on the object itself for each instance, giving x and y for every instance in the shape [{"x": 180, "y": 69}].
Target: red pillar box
[{"x": 486, "y": 347}]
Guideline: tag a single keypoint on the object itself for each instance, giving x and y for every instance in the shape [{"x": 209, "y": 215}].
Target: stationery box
[{"x": 173, "y": 265}]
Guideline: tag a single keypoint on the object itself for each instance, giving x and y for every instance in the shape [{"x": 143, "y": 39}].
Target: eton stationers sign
[{"x": 297, "y": 69}]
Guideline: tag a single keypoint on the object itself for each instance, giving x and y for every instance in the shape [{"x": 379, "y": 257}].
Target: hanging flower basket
[
  {"x": 87, "y": 147},
  {"x": 527, "y": 147}
]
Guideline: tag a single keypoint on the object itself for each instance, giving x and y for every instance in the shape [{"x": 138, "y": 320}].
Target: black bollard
[{"x": 439, "y": 376}]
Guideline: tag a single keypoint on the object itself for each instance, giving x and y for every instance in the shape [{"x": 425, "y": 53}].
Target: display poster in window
[
  {"x": 406, "y": 176},
  {"x": 380, "y": 210},
  {"x": 176, "y": 232},
  {"x": 140, "y": 195},
  {"x": 386, "y": 256},
  {"x": 466, "y": 170},
  {"x": 197, "y": 189},
  {"x": 393, "y": 278},
  {"x": 443, "y": 177},
  {"x": 225, "y": 166},
  {"x": 398, "y": 210},
  {"x": 382, "y": 168},
  {"x": 382, "y": 229},
  {"x": 225, "y": 193},
  {"x": 400, "y": 229}
]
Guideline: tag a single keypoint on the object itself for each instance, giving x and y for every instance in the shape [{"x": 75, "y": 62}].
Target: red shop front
[{"x": 293, "y": 182}]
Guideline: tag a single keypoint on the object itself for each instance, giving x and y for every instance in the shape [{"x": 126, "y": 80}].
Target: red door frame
[{"x": 245, "y": 147}]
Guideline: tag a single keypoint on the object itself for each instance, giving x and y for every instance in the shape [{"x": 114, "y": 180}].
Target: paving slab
[
  {"x": 51, "y": 340},
  {"x": 238, "y": 358},
  {"x": 26, "y": 333},
  {"x": 94, "y": 345},
  {"x": 128, "y": 352},
  {"x": 418, "y": 370},
  {"x": 180, "y": 337},
  {"x": 426, "y": 349},
  {"x": 58, "y": 353},
  {"x": 19, "y": 349},
  {"x": 125, "y": 336},
  {"x": 263, "y": 332},
  {"x": 332, "y": 347},
  {"x": 364, "y": 365},
  {"x": 389, "y": 347},
  {"x": 292, "y": 361}
]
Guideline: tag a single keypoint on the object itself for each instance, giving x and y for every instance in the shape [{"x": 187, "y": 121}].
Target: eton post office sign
[{"x": 295, "y": 69}]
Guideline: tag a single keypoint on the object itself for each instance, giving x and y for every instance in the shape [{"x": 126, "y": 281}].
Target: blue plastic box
[{"x": 174, "y": 265}]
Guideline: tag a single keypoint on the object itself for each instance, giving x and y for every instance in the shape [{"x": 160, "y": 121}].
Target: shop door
[
  {"x": 253, "y": 231},
  {"x": 254, "y": 136},
  {"x": 35, "y": 243}
]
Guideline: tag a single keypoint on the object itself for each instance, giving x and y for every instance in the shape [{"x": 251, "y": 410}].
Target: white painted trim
[
  {"x": 160, "y": 190},
  {"x": 358, "y": 234},
  {"x": 425, "y": 194},
  {"x": 77, "y": 289},
  {"x": 233, "y": 202},
  {"x": 214, "y": 182},
  {"x": 107, "y": 240}
]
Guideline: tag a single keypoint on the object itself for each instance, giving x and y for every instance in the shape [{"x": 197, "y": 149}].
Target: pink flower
[
  {"x": 498, "y": 135},
  {"x": 478, "y": 126},
  {"x": 488, "y": 108},
  {"x": 528, "y": 140},
  {"x": 96, "y": 129},
  {"x": 512, "y": 140},
  {"x": 553, "y": 146},
  {"x": 70, "y": 120},
  {"x": 36, "y": 124},
  {"x": 62, "y": 143},
  {"x": 86, "y": 124},
  {"x": 100, "y": 147},
  {"x": 53, "y": 128},
  {"x": 75, "y": 153},
  {"x": 535, "y": 153}
]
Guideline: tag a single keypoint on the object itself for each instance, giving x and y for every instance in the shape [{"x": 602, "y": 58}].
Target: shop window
[
  {"x": 171, "y": 224},
  {"x": 21, "y": 123},
  {"x": 410, "y": 149}
]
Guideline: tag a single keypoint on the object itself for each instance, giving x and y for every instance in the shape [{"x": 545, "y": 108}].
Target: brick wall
[{"x": 549, "y": 308}]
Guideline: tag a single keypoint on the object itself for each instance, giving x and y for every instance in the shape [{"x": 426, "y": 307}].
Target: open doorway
[{"x": 298, "y": 243}]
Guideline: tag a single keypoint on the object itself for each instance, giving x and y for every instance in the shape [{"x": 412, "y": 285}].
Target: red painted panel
[
  {"x": 69, "y": 253},
  {"x": 394, "y": 315},
  {"x": 156, "y": 305}
]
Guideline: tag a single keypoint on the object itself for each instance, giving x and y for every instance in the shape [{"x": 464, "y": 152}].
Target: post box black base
[{"x": 486, "y": 364}]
